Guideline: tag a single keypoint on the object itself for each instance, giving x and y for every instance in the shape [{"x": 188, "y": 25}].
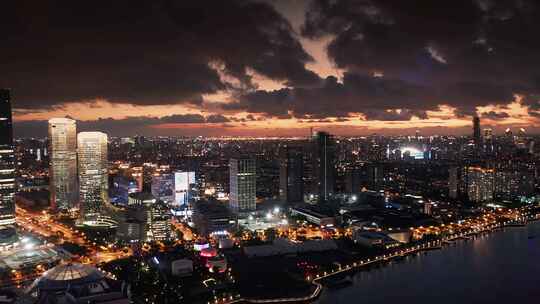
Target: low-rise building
[
  {"x": 212, "y": 217},
  {"x": 283, "y": 246},
  {"x": 314, "y": 217},
  {"x": 78, "y": 283},
  {"x": 374, "y": 239}
]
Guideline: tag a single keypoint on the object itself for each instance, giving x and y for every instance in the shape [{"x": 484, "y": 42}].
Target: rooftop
[{"x": 65, "y": 275}]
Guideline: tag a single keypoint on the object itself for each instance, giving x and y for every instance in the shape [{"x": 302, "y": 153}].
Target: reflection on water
[{"x": 502, "y": 267}]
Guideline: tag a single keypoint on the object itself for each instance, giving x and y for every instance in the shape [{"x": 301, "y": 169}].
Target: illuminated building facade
[
  {"x": 291, "y": 172},
  {"x": 324, "y": 167},
  {"x": 480, "y": 184},
  {"x": 183, "y": 184},
  {"x": 508, "y": 181},
  {"x": 514, "y": 181},
  {"x": 159, "y": 222},
  {"x": 154, "y": 215},
  {"x": 122, "y": 187},
  {"x": 163, "y": 187},
  {"x": 242, "y": 178},
  {"x": 410, "y": 153},
  {"x": 7, "y": 162},
  {"x": 137, "y": 174},
  {"x": 63, "y": 163},
  {"x": 93, "y": 173}
]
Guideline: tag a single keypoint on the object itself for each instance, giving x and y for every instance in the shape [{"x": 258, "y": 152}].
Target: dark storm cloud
[
  {"x": 532, "y": 101},
  {"x": 462, "y": 53},
  {"x": 394, "y": 115},
  {"x": 142, "y": 52},
  {"x": 182, "y": 118},
  {"x": 126, "y": 126},
  {"x": 425, "y": 53},
  {"x": 217, "y": 118},
  {"x": 376, "y": 98},
  {"x": 273, "y": 103},
  {"x": 495, "y": 115}
]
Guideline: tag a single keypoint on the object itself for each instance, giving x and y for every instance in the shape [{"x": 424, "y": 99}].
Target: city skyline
[
  {"x": 269, "y": 151},
  {"x": 297, "y": 212},
  {"x": 322, "y": 67}
]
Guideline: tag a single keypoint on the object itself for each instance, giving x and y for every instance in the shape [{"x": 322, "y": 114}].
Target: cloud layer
[
  {"x": 398, "y": 60},
  {"x": 127, "y": 126},
  {"x": 143, "y": 52},
  {"x": 462, "y": 53}
]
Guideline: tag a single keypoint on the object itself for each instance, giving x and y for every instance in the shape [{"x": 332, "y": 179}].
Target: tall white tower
[
  {"x": 93, "y": 174},
  {"x": 63, "y": 163}
]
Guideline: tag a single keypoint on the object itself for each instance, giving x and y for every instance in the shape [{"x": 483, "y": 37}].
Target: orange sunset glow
[{"x": 296, "y": 75}]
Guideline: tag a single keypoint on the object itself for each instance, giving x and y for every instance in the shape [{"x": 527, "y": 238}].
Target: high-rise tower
[
  {"x": 324, "y": 150},
  {"x": 93, "y": 173},
  {"x": 7, "y": 162},
  {"x": 63, "y": 163},
  {"x": 242, "y": 177},
  {"x": 291, "y": 172},
  {"x": 476, "y": 131}
]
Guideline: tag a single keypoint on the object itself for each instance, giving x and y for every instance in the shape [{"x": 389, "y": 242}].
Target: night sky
[{"x": 269, "y": 68}]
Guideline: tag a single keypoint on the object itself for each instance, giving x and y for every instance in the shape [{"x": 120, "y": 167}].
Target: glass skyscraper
[
  {"x": 291, "y": 172},
  {"x": 324, "y": 153},
  {"x": 93, "y": 174},
  {"x": 242, "y": 173},
  {"x": 7, "y": 162},
  {"x": 63, "y": 163}
]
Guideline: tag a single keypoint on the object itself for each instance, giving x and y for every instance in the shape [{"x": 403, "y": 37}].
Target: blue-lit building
[
  {"x": 184, "y": 182},
  {"x": 163, "y": 188},
  {"x": 122, "y": 188}
]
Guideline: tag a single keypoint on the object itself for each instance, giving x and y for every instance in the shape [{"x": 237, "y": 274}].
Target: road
[{"x": 44, "y": 225}]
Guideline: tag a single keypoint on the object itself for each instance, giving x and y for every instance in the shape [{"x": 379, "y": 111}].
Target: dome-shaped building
[{"x": 75, "y": 283}]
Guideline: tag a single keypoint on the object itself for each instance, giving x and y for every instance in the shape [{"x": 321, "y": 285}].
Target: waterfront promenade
[{"x": 481, "y": 227}]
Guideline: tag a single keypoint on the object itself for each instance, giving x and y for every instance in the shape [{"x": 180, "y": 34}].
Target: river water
[{"x": 500, "y": 267}]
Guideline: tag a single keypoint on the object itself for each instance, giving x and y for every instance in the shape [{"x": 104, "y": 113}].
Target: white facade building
[
  {"x": 93, "y": 173},
  {"x": 63, "y": 163},
  {"x": 183, "y": 182}
]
